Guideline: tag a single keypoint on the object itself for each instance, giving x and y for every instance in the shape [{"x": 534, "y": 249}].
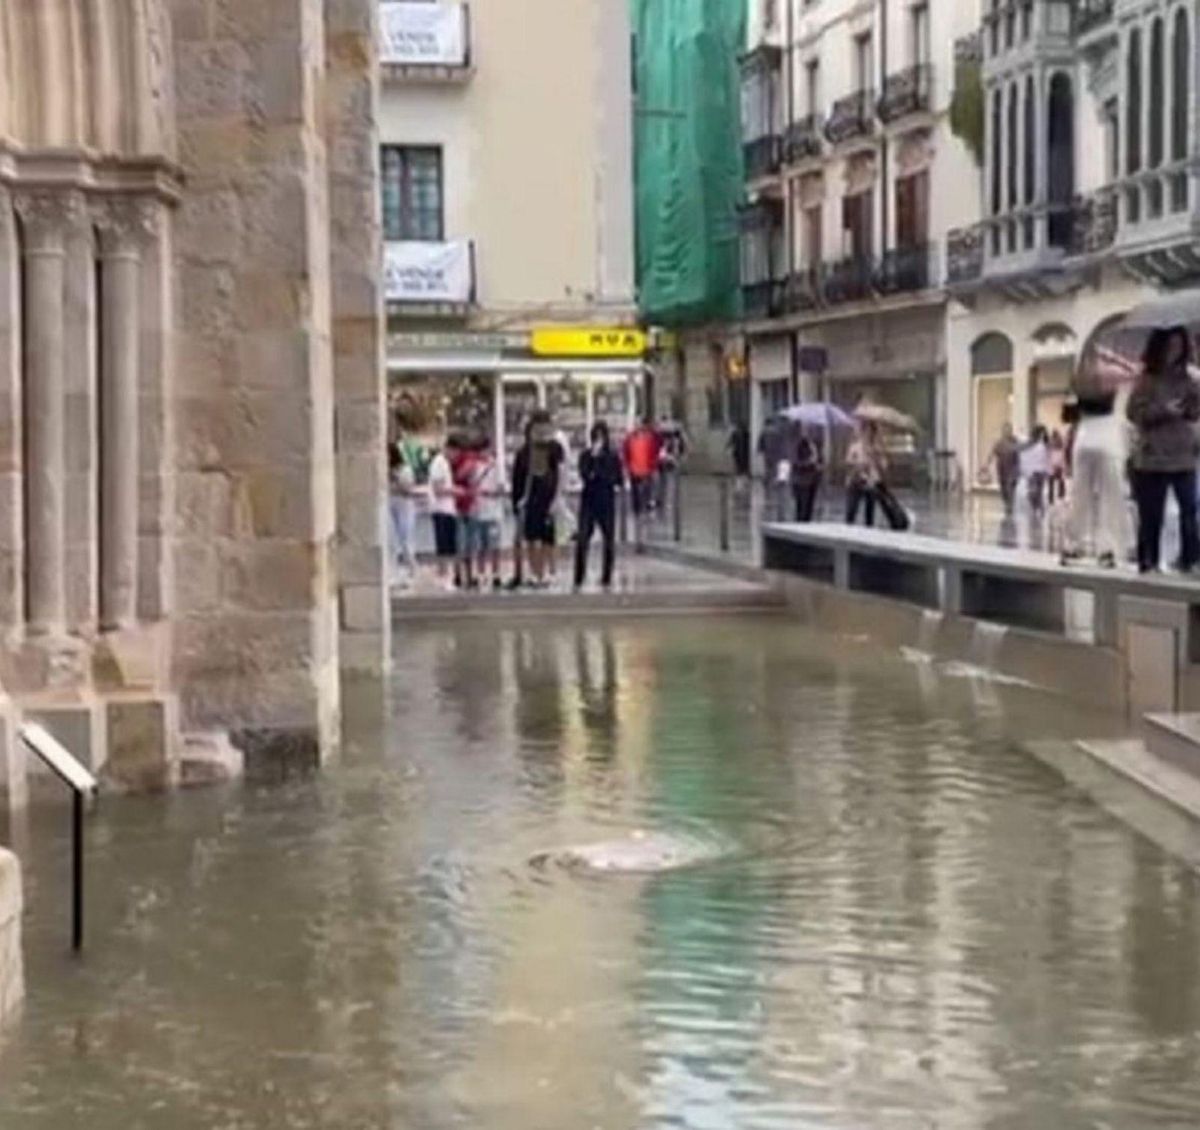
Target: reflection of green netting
[{"x": 689, "y": 157}]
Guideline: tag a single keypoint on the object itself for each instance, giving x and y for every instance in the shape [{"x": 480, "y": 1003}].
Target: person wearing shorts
[
  {"x": 443, "y": 509},
  {"x": 485, "y": 529}
]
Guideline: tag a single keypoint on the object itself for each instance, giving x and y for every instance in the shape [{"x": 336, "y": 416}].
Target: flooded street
[{"x": 897, "y": 919}]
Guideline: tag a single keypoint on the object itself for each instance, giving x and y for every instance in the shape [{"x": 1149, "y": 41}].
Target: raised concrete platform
[
  {"x": 12, "y": 976},
  {"x": 1153, "y": 622}
]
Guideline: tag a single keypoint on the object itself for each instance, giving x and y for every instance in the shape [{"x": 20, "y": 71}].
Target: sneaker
[
  {"x": 1107, "y": 561},
  {"x": 1070, "y": 557},
  {"x": 514, "y": 584}
]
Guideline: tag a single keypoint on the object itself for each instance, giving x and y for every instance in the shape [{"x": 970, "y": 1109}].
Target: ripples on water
[{"x": 920, "y": 926}]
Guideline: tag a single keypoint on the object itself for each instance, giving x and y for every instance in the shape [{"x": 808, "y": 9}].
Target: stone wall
[
  {"x": 12, "y": 979},
  {"x": 256, "y": 642}
]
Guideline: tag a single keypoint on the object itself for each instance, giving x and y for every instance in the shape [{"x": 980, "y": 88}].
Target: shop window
[{"x": 412, "y": 192}]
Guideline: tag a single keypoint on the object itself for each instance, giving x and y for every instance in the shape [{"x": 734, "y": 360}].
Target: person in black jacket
[{"x": 601, "y": 474}]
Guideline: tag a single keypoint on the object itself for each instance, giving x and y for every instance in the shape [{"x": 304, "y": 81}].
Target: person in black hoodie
[{"x": 601, "y": 474}]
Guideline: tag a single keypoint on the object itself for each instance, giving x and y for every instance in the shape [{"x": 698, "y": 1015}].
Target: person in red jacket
[{"x": 643, "y": 446}]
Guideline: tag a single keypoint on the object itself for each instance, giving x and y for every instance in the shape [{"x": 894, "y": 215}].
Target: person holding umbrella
[{"x": 1164, "y": 409}]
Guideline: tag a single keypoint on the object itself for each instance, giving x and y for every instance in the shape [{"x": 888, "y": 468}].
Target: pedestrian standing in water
[
  {"x": 867, "y": 463},
  {"x": 537, "y": 475},
  {"x": 1058, "y": 467},
  {"x": 641, "y": 464},
  {"x": 402, "y": 507},
  {"x": 1164, "y": 409},
  {"x": 600, "y": 474},
  {"x": 1035, "y": 469},
  {"x": 1096, "y": 452},
  {"x": 807, "y": 471},
  {"x": 1006, "y": 456},
  {"x": 444, "y": 511},
  {"x": 489, "y": 502}
]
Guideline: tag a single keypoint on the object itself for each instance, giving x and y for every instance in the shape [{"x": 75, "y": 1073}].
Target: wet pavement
[{"x": 897, "y": 920}]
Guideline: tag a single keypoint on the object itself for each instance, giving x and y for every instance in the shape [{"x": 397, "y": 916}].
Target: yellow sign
[{"x": 588, "y": 341}]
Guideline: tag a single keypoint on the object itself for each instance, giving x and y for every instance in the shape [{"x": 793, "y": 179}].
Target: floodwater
[{"x": 900, "y": 921}]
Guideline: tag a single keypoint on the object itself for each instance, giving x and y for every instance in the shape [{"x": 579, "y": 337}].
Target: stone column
[
  {"x": 123, "y": 224},
  {"x": 12, "y": 505},
  {"x": 46, "y": 218}
]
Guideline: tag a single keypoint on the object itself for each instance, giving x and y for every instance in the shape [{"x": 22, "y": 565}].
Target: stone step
[
  {"x": 730, "y": 599},
  {"x": 1175, "y": 739}
]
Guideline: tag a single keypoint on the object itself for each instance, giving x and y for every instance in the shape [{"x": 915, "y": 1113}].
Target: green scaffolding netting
[{"x": 688, "y": 157}]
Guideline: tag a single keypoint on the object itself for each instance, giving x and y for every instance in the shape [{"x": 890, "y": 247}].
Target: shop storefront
[
  {"x": 894, "y": 359},
  {"x": 490, "y": 383}
]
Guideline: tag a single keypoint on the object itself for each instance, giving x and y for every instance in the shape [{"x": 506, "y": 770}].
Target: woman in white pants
[
  {"x": 1099, "y": 516},
  {"x": 402, "y": 505}
]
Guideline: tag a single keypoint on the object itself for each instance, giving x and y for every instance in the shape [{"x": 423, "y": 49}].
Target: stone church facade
[{"x": 191, "y": 377}]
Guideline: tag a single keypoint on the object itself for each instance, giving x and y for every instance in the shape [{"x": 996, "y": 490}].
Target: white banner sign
[
  {"x": 423, "y": 33},
  {"x": 427, "y": 272}
]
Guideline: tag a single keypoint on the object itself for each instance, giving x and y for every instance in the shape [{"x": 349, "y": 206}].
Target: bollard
[
  {"x": 723, "y": 517},
  {"x": 677, "y": 505},
  {"x": 623, "y": 515}
]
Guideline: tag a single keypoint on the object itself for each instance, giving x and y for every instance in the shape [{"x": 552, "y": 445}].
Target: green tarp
[{"x": 688, "y": 158}]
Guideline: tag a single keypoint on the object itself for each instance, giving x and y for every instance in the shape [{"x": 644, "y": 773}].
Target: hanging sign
[
  {"x": 587, "y": 341},
  {"x": 427, "y": 272},
  {"x": 419, "y": 33}
]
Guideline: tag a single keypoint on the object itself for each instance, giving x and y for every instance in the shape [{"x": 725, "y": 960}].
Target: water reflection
[{"x": 920, "y": 926}]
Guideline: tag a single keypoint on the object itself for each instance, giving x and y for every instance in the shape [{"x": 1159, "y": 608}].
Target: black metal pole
[
  {"x": 723, "y": 483},
  {"x": 676, "y": 501},
  {"x": 77, "y": 871}
]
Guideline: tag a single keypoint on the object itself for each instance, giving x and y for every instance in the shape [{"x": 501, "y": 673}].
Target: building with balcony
[
  {"x": 844, "y": 229},
  {"x": 507, "y": 200},
  {"x": 1088, "y": 199}
]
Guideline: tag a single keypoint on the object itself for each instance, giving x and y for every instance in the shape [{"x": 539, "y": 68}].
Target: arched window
[
  {"x": 997, "y": 154},
  {"x": 1030, "y": 141},
  {"x": 1133, "y": 105},
  {"x": 1181, "y": 49},
  {"x": 1158, "y": 63},
  {"x": 1060, "y": 158},
  {"x": 1014, "y": 135},
  {"x": 991, "y": 353}
]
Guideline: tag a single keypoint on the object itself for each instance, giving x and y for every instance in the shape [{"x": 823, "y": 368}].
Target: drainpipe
[{"x": 884, "y": 202}]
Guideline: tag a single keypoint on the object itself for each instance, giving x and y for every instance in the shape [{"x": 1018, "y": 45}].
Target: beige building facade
[
  {"x": 191, "y": 377},
  {"x": 507, "y": 153}
]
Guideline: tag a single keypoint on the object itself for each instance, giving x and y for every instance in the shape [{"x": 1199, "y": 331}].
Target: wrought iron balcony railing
[
  {"x": 802, "y": 140},
  {"x": 1094, "y": 222},
  {"x": 909, "y": 91},
  {"x": 1091, "y": 15},
  {"x": 763, "y": 156},
  {"x": 762, "y": 299},
  {"x": 850, "y": 117},
  {"x": 905, "y": 269},
  {"x": 802, "y": 291},
  {"x": 964, "y": 254},
  {"x": 850, "y": 280}
]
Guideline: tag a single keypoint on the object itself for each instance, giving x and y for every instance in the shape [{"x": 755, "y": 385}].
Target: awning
[{"x": 494, "y": 363}]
